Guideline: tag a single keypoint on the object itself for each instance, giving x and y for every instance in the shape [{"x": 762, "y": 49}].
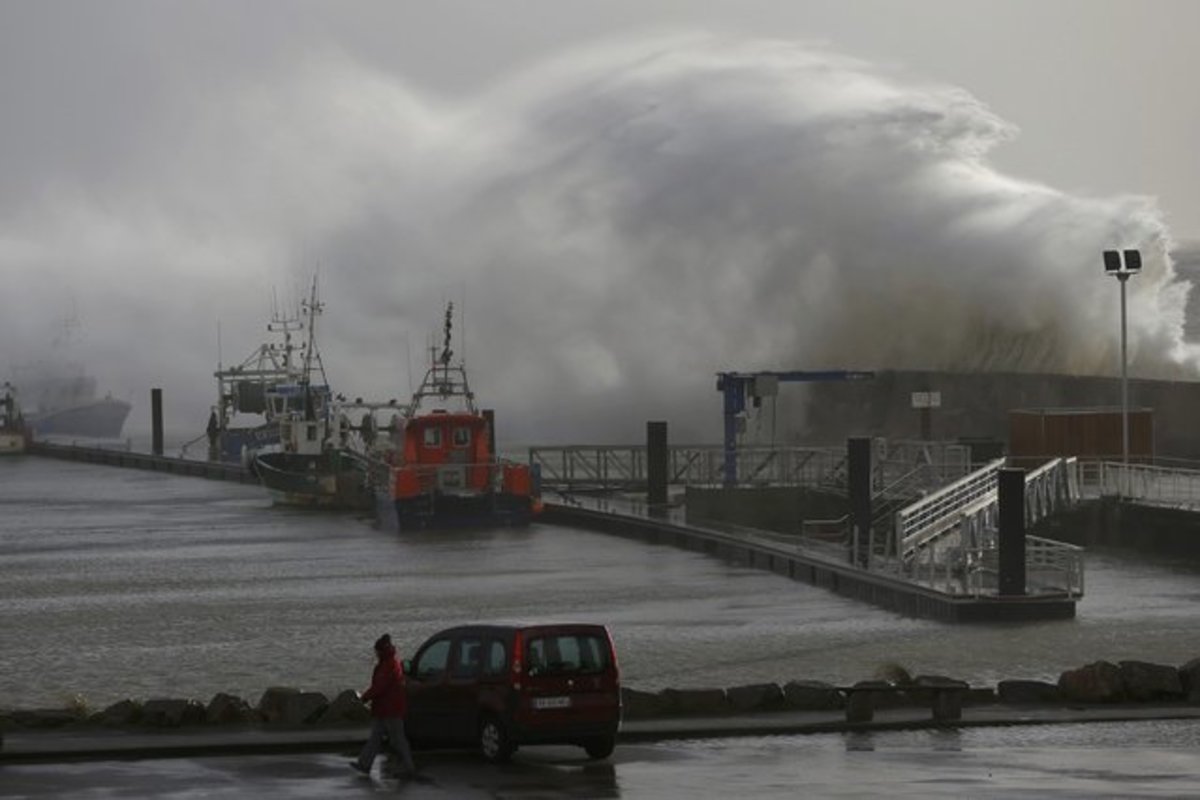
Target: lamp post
[{"x": 1122, "y": 264}]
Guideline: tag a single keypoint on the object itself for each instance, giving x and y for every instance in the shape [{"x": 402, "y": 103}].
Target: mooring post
[
  {"x": 858, "y": 457},
  {"x": 156, "y": 422},
  {"x": 656, "y": 465},
  {"x": 489, "y": 417},
  {"x": 1011, "y": 497}
]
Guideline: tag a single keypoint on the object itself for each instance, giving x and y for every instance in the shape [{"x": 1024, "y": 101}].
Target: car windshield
[{"x": 566, "y": 653}]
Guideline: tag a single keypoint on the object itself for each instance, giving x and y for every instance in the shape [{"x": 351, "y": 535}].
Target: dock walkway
[
  {"x": 212, "y": 470},
  {"x": 793, "y": 559}
]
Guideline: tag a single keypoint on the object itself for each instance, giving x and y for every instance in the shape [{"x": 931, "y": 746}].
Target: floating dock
[
  {"x": 887, "y": 592},
  {"x": 212, "y": 470}
]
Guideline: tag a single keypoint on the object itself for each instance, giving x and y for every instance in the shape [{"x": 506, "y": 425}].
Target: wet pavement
[{"x": 1126, "y": 759}]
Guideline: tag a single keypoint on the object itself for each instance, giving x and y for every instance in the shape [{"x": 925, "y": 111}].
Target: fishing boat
[
  {"x": 313, "y": 462},
  {"x": 253, "y": 395},
  {"x": 14, "y": 433},
  {"x": 446, "y": 473}
]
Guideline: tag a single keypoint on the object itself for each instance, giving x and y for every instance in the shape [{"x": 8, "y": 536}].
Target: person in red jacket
[{"x": 389, "y": 702}]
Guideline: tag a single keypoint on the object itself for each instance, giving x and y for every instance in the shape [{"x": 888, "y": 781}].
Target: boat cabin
[{"x": 456, "y": 447}]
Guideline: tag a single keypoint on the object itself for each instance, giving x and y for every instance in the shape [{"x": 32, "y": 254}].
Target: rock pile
[{"x": 1098, "y": 682}]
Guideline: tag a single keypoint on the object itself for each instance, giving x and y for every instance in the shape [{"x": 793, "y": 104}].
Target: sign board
[{"x": 926, "y": 399}]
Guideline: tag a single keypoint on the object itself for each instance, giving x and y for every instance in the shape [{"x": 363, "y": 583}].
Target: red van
[{"x": 497, "y": 687}]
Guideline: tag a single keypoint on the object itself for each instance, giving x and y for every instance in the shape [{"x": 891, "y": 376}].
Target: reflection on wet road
[{"x": 1144, "y": 759}]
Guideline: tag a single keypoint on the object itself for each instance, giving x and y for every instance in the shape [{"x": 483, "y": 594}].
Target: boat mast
[{"x": 312, "y": 307}]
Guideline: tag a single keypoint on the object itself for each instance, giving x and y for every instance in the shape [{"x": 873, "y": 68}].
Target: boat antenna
[
  {"x": 219, "y": 367},
  {"x": 447, "y": 353}
]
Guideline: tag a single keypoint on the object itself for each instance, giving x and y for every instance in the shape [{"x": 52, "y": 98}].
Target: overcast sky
[{"x": 628, "y": 195}]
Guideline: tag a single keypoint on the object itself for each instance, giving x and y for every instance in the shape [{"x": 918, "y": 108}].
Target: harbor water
[{"x": 117, "y": 583}]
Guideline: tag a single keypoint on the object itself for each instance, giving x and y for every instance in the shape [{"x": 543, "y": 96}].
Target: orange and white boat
[{"x": 446, "y": 473}]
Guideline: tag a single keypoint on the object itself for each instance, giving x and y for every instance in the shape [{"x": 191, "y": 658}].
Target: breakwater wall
[
  {"x": 123, "y": 458},
  {"x": 1098, "y": 683},
  {"x": 1111, "y": 522},
  {"x": 893, "y": 594},
  {"x": 976, "y": 405}
]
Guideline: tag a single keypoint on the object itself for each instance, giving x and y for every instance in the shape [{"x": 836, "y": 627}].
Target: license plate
[{"x": 551, "y": 702}]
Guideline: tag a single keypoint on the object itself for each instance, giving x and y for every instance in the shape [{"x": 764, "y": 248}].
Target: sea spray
[{"x": 621, "y": 223}]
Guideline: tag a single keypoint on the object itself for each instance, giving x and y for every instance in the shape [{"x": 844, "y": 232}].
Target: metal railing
[
  {"x": 934, "y": 515},
  {"x": 913, "y": 466},
  {"x": 1174, "y": 487},
  {"x": 624, "y": 467},
  {"x": 1051, "y": 568},
  {"x": 969, "y": 507},
  {"x": 955, "y": 550}
]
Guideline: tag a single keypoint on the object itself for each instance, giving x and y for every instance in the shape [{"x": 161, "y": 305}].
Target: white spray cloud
[{"x": 621, "y": 223}]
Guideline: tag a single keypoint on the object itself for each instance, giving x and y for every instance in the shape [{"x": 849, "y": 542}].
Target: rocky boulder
[
  {"x": 1145, "y": 681},
  {"x": 123, "y": 712},
  {"x": 345, "y": 709},
  {"x": 301, "y": 708},
  {"x": 1189, "y": 679},
  {"x": 1020, "y": 692},
  {"x": 171, "y": 713},
  {"x": 812, "y": 696},
  {"x": 694, "y": 701},
  {"x": 228, "y": 709},
  {"x": 1098, "y": 682},
  {"x": 755, "y": 697},
  {"x": 270, "y": 705}
]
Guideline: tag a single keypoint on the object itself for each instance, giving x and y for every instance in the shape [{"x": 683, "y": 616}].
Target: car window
[
  {"x": 469, "y": 660},
  {"x": 566, "y": 653},
  {"x": 497, "y": 658},
  {"x": 432, "y": 661}
]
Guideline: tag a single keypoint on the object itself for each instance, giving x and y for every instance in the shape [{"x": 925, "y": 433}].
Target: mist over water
[{"x": 619, "y": 224}]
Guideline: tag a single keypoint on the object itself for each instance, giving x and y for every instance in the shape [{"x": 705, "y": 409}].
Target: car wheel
[
  {"x": 495, "y": 745},
  {"x": 600, "y": 747}
]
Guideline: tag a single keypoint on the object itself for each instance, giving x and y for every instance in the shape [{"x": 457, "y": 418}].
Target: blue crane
[{"x": 736, "y": 386}]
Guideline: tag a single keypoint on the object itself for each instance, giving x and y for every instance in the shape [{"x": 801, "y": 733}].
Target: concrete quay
[{"x": 28, "y": 747}]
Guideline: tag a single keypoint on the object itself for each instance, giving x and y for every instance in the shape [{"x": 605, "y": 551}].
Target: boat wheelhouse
[
  {"x": 447, "y": 474},
  {"x": 254, "y": 394}
]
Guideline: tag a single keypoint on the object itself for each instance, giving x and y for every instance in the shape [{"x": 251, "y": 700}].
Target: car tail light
[
  {"x": 518, "y": 647},
  {"x": 612, "y": 654}
]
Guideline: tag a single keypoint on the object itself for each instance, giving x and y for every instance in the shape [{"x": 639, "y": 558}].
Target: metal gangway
[
  {"x": 917, "y": 465},
  {"x": 1145, "y": 484},
  {"x": 948, "y": 540}
]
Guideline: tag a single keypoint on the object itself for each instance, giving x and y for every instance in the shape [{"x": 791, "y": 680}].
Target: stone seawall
[
  {"x": 1100, "y": 682},
  {"x": 976, "y": 405},
  {"x": 1110, "y": 522}
]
